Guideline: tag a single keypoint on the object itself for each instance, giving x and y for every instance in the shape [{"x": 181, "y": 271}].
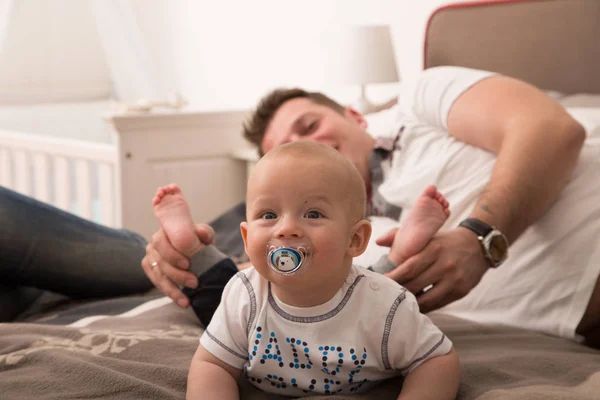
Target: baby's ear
[
  {"x": 244, "y": 232},
  {"x": 361, "y": 232}
]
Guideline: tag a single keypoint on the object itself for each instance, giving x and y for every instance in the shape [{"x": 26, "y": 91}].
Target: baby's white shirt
[{"x": 370, "y": 330}]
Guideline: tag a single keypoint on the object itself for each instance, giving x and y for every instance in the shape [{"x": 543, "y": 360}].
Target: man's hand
[
  {"x": 170, "y": 270},
  {"x": 452, "y": 262}
]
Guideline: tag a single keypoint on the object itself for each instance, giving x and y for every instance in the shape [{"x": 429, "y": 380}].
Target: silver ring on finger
[{"x": 153, "y": 265}]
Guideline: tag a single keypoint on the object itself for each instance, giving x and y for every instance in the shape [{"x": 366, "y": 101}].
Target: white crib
[
  {"x": 114, "y": 184},
  {"x": 76, "y": 176}
]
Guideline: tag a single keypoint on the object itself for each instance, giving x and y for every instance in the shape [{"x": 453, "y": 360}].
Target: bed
[{"x": 141, "y": 346}]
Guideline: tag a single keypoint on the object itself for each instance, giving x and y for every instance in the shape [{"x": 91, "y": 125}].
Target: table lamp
[{"x": 364, "y": 54}]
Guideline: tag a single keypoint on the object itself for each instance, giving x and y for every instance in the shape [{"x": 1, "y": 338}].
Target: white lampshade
[
  {"x": 362, "y": 54},
  {"x": 358, "y": 55}
]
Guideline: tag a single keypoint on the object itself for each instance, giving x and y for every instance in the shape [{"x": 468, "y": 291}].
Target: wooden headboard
[{"x": 553, "y": 44}]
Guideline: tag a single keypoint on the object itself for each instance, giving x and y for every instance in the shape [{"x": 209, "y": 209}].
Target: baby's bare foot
[
  {"x": 173, "y": 213},
  {"x": 426, "y": 217}
]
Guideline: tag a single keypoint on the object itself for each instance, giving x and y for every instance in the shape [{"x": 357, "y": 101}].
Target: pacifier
[{"x": 290, "y": 259}]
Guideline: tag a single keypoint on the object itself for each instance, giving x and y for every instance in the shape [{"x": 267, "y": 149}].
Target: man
[{"x": 454, "y": 120}]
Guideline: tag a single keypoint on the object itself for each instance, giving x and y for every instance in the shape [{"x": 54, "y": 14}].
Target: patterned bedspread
[{"x": 145, "y": 353}]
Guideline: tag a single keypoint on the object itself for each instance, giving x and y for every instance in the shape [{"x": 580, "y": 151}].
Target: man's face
[{"x": 302, "y": 119}]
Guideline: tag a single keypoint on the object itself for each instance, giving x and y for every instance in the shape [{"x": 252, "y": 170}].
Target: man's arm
[
  {"x": 435, "y": 379},
  {"x": 211, "y": 378},
  {"x": 537, "y": 145}
]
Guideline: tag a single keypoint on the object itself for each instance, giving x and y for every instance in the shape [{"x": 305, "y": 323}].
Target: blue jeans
[{"x": 45, "y": 249}]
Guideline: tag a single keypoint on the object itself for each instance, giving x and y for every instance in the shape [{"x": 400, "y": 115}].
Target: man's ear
[
  {"x": 356, "y": 116},
  {"x": 244, "y": 232},
  {"x": 360, "y": 238}
]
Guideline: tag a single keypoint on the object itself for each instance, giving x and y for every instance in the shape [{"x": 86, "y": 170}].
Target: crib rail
[{"x": 76, "y": 176}]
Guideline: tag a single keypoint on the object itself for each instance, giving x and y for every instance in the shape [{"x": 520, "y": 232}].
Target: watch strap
[{"x": 477, "y": 226}]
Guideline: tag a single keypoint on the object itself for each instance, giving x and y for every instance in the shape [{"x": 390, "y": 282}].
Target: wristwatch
[{"x": 493, "y": 242}]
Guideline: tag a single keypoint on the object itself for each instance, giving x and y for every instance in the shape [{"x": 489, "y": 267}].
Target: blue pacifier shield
[{"x": 285, "y": 260}]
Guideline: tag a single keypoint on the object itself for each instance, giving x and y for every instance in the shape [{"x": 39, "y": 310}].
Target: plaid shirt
[{"x": 381, "y": 158}]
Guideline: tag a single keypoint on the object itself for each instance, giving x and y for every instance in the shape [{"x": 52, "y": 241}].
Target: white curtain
[
  {"x": 79, "y": 51},
  {"x": 50, "y": 52},
  {"x": 132, "y": 72},
  {"x": 6, "y": 7}
]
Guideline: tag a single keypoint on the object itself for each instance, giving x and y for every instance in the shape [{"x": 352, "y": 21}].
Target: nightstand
[{"x": 249, "y": 156}]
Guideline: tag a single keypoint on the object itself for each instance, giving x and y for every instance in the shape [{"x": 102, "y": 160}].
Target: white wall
[
  {"x": 229, "y": 53},
  {"x": 220, "y": 54}
]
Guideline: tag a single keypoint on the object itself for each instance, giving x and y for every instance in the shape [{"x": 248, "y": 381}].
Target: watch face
[{"x": 498, "y": 247}]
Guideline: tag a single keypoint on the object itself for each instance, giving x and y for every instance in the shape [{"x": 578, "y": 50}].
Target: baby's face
[{"x": 290, "y": 201}]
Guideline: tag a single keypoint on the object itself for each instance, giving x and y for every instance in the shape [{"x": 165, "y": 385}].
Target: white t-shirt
[
  {"x": 370, "y": 330},
  {"x": 552, "y": 268}
]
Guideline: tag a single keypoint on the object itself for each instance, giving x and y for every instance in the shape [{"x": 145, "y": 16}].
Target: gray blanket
[{"x": 145, "y": 353}]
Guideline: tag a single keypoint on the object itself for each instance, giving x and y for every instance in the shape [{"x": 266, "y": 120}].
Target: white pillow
[
  {"x": 589, "y": 117},
  {"x": 581, "y": 100},
  {"x": 555, "y": 95},
  {"x": 384, "y": 122}
]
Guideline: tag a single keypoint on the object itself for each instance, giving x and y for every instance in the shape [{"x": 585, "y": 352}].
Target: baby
[{"x": 303, "y": 320}]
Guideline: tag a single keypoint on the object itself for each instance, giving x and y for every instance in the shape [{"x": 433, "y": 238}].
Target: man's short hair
[{"x": 256, "y": 126}]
